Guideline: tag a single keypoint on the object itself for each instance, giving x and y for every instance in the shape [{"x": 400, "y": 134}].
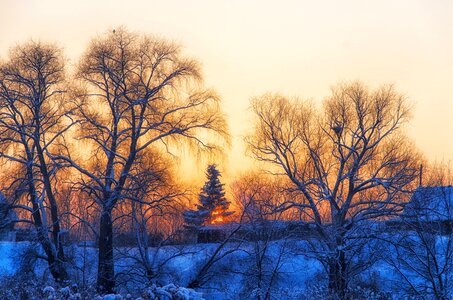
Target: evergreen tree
[{"x": 213, "y": 206}]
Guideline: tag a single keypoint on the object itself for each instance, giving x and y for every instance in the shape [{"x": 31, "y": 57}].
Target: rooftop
[{"x": 431, "y": 203}]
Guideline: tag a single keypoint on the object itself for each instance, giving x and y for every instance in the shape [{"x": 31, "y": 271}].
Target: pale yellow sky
[{"x": 298, "y": 48}]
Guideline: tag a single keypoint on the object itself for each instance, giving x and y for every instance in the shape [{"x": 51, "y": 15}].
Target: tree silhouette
[
  {"x": 213, "y": 206},
  {"x": 34, "y": 117},
  {"x": 344, "y": 165},
  {"x": 136, "y": 92}
]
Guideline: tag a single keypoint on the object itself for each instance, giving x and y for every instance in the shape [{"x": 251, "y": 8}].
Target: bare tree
[
  {"x": 33, "y": 118},
  {"x": 227, "y": 246},
  {"x": 156, "y": 204},
  {"x": 346, "y": 164},
  {"x": 267, "y": 229},
  {"x": 260, "y": 196},
  {"x": 139, "y": 91}
]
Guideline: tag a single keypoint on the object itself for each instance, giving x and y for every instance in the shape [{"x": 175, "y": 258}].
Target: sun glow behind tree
[{"x": 213, "y": 207}]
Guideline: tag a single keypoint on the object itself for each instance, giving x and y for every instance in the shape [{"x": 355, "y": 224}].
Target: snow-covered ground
[
  {"x": 235, "y": 276},
  {"x": 9, "y": 251}
]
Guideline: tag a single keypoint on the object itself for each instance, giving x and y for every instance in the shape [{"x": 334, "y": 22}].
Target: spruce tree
[{"x": 213, "y": 206}]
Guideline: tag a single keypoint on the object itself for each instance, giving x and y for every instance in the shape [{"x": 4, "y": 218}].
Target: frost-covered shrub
[
  {"x": 356, "y": 293},
  {"x": 49, "y": 293},
  {"x": 366, "y": 293},
  {"x": 111, "y": 297},
  {"x": 21, "y": 286},
  {"x": 28, "y": 259},
  {"x": 316, "y": 292},
  {"x": 171, "y": 292},
  {"x": 64, "y": 293}
]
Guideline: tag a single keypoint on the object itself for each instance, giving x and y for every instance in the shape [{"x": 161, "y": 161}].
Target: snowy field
[{"x": 282, "y": 269}]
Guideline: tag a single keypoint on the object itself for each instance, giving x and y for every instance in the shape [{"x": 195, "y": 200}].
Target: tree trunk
[
  {"x": 56, "y": 266},
  {"x": 106, "y": 272},
  {"x": 337, "y": 276},
  {"x": 56, "y": 230}
]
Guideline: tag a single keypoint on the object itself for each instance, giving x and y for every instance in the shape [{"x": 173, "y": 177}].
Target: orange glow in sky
[{"x": 298, "y": 48}]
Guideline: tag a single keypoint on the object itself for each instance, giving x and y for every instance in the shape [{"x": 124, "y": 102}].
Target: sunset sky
[{"x": 298, "y": 48}]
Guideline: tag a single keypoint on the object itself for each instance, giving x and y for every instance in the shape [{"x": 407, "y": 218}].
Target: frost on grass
[{"x": 170, "y": 292}]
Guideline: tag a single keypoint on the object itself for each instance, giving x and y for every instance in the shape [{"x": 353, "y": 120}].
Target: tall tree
[
  {"x": 33, "y": 119},
  {"x": 213, "y": 207},
  {"x": 137, "y": 91},
  {"x": 346, "y": 164}
]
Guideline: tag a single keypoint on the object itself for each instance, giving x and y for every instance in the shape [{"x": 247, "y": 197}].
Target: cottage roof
[{"x": 433, "y": 203}]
